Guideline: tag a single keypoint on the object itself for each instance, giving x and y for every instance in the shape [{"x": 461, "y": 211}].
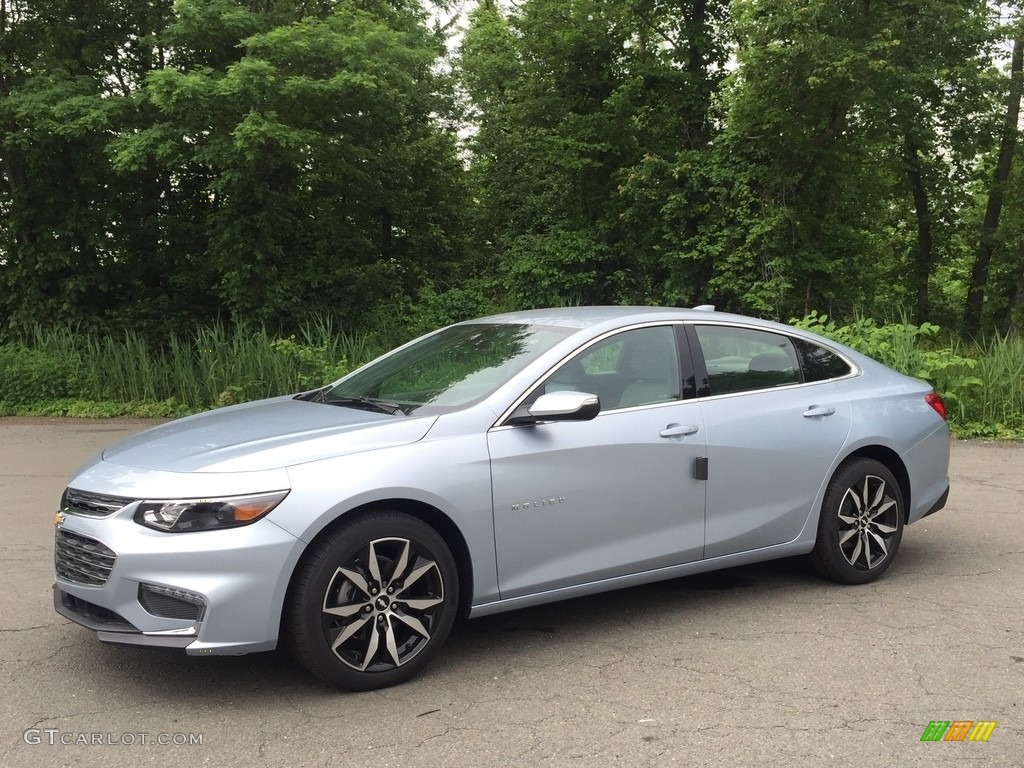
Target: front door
[{"x": 577, "y": 502}]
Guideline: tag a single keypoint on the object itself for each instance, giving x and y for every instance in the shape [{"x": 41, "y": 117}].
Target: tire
[
  {"x": 861, "y": 523},
  {"x": 374, "y": 601}
]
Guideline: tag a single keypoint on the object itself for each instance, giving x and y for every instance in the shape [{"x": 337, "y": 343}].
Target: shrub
[{"x": 33, "y": 375}]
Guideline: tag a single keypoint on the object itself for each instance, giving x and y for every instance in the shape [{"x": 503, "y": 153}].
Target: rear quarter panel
[{"x": 889, "y": 410}]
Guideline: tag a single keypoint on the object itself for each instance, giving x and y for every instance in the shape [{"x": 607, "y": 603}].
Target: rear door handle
[
  {"x": 818, "y": 410},
  {"x": 675, "y": 430}
]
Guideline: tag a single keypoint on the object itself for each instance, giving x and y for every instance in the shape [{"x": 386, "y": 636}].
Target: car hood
[{"x": 266, "y": 434}]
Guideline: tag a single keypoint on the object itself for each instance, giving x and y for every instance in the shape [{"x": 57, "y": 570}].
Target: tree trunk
[
  {"x": 979, "y": 275},
  {"x": 923, "y": 263},
  {"x": 694, "y": 106},
  {"x": 1016, "y": 313}
]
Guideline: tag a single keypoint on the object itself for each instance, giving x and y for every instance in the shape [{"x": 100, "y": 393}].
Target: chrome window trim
[{"x": 779, "y": 388}]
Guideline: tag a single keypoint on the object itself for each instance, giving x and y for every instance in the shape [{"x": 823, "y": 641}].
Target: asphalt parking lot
[{"x": 762, "y": 665}]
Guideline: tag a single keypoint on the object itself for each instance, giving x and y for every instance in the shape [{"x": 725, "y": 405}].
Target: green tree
[
  {"x": 573, "y": 97},
  {"x": 851, "y": 129},
  {"x": 58, "y": 104},
  {"x": 314, "y": 148},
  {"x": 263, "y": 160}
]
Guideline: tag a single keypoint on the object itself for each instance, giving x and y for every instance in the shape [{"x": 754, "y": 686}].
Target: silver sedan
[{"x": 491, "y": 465}]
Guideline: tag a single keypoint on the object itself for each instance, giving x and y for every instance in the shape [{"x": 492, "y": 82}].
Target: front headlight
[{"x": 186, "y": 515}]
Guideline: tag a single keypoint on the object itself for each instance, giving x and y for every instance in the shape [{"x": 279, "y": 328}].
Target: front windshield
[{"x": 451, "y": 369}]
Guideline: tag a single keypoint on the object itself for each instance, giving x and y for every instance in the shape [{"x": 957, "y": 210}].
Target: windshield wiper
[
  {"x": 314, "y": 395},
  {"x": 366, "y": 403}
]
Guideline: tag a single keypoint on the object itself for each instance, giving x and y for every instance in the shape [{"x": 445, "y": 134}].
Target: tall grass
[
  {"x": 212, "y": 366},
  {"x": 359, "y": 348},
  {"x": 995, "y": 406},
  {"x": 216, "y": 365}
]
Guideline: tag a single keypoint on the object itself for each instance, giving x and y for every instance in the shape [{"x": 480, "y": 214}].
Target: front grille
[
  {"x": 82, "y": 560},
  {"x": 89, "y": 614},
  {"x": 91, "y": 504}
]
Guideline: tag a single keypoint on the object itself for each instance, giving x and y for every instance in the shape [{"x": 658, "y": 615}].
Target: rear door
[{"x": 771, "y": 433}]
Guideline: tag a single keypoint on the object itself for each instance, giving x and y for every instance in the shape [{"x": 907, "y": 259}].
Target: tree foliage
[
  {"x": 164, "y": 163},
  {"x": 857, "y": 138},
  {"x": 766, "y": 155},
  {"x": 573, "y": 99},
  {"x": 266, "y": 160}
]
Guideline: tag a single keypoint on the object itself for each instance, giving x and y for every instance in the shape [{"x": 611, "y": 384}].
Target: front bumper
[
  {"x": 209, "y": 592},
  {"x": 112, "y": 628}
]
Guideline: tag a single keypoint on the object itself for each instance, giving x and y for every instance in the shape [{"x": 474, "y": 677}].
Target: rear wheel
[
  {"x": 861, "y": 523},
  {"x": 374, "y": 602}
]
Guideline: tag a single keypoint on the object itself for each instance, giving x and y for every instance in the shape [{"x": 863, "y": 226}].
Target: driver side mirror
[{"x": 558, "y": 406}]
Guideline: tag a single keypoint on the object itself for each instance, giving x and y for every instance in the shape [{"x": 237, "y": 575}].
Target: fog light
[{"x": 171, "y": 603}]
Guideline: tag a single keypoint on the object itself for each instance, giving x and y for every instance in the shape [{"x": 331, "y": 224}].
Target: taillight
[{"x": 935, "y": 401}]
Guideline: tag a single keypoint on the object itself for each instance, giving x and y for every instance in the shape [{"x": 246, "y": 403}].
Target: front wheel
[
  {"x": 861, "y": 523},
  {"x": 374, "y": 601}
]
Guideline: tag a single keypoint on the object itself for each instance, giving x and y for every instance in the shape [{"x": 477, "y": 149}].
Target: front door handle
[
  {"x": 818, "y": 410},
  {"x": 674, "y": 430}
]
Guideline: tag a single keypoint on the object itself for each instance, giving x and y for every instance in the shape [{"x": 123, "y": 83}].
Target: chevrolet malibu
[{"x": 491, "y": 465}]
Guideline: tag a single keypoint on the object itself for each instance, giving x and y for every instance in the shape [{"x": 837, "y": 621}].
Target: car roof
[
  {"x": 590, "y": 317},
  {"x": 585, "y": 317}
]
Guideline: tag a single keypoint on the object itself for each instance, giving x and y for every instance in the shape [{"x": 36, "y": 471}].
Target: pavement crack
[{"x": 5, "y": 630}]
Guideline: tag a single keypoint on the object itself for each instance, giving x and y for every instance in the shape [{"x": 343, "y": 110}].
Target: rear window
[{"x": 820, "y": 364}]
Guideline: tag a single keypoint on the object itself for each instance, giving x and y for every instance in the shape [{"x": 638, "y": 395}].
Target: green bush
[
  {"x": 34, "y": 375},
  {"x": 911, "y": 349},
  {"x": 92, "y": 409},
  {"x": 435, "y": 309}
]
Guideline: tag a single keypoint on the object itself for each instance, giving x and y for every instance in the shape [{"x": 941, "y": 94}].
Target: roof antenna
[{"x": 706, "y": 307}]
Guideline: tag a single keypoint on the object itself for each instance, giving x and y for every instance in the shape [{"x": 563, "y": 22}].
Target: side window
[
  {"x": 744, "y": 359},
  {"x": 820, "y": 364},
  {"x": 638, "y": 367}
]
